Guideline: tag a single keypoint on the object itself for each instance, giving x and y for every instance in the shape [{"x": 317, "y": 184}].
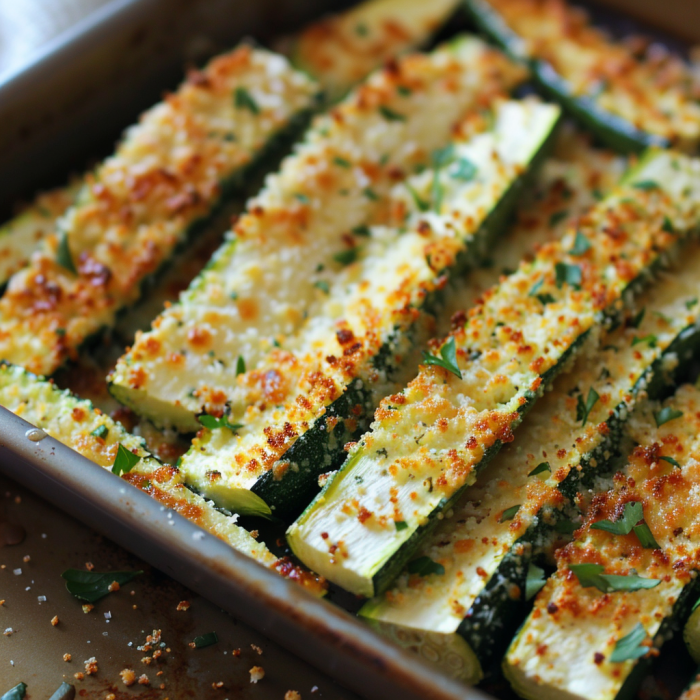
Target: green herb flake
[
  {"x": 420, "y": 203},
  {"x": 558, "y": 217},
  {"x": 400, "y": 525},
  {"x": 125, "y": 461},
  {"x": 536, "y": 287},
  {"x": 632, "y": 513},
  {"x": 244, "y": 100},
  {"x": 370, "y": 194},
  {"x": 665, "y": 415},
  {"x": 545, "y": 299},
  {"x": 346, "y": 257},
  {"x": 645, "y": 536},
  {"x": 534, "y": 581},
  {"x": 390, "y": 115},
  {"x": 592, "y": 576},
  {"x": 63, "y": 255},
  {"x": 60, "y": 332},
  {"x": 404, "y": 90},
  {"x": 691, "y": 303},
  {"x": 646, "y": 185},
  {"x": 581, "y": 245},
  {"x": 671, "y": 461},
  {"x": 509, "y": 514},
  {"x": 100, "y": 431},
  {"x": 302, "y": 198},
  {"x": 240, "y": 365},
  {"x": 323, "y": 286},
  {"x": 540, "y": 469},
  {"x": 568, "y": 274},
  {"x": 667, "y": 226},
  {"x": 361, "y": 29},
  {"x": 425, "y": 566},
  {"x": 205, "y": 640},
  {"x": 637, "y": 318},
  {"x": 447, "y": 359},
  {"x": 630, "y": 647},
  {"x": 583, "y": 409},
  {"x": 465, "y": 170},
  {"x": 92, "y": 585},
  {"x": 362, "y": 230},
  {"x": 212, "y": 422},
  {"x": 342, "y": 162},
  {"x": 650, "y": 340}
]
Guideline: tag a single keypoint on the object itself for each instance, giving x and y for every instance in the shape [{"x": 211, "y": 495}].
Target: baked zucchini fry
[
  {"x": 169, "y": 173},
  {"x": 630, "y": 102},
  {"x": 271, "y": 275},
  {"x": 692, "y": 692},
  {"x": 622, "y": 584},
  {"x": 428, "y": 441},
  {"x": 485, "y": 555},
  {"x": 20, "y": 236},
  {"x": 348, "y": 354},
  {"x": 342, "y": 49},
  {"x": 88, "y": 431}
]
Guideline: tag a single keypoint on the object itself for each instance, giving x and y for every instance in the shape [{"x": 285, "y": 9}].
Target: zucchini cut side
[
  {"x": 482, "y": 594},
  {"x": 428, "y": 442},
  {"x": 577, "y": 642},
  {"x": 169, "y": 173},
  {"x": 93, "y": 434},
  {"x": 342, "y": 49},
  {"x": 346, "y": 357},
  {"x": 646, "y": 104},
  {"x": 303, "y": 229}
]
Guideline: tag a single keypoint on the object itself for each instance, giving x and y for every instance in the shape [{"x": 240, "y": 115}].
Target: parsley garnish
[
  {"x": 466, "y": 170},
  {"x": 424, "y": 566},
  {"x": 558, "y": 216},
  {"x": 302, "y": 197},
  {"x": 645, "y": 536},
  {"x": 633, "y": 512},
  {"x": 420, "y": 203},
  {"x": 671, "y": 461},
  {"x": 100, "y": 431},
  {"x": 403, "y": 90},
  {"x": 568, "y": 274},
  {"x": 362, "y": 230},
  {"x": 323, "y": 286},
  {"x": 545, "y": 299},
  {"x": 92, "y": 585},
  {"x": 240, "y": 365},
  {"x": 581, "y": 245},
  {"x": 646, "y": 185},
  {"x": 536, "y": 287},
  {"x": 212, "y": 422},
  {"x": 534, "y": 581},
  {"x": 400, "y": 525},
  {"x": 342, "y": 162},
  {"x": 125, "y": 461},
  {"x": 667, "y": 226},
  {"x": 691, "y": 303},
  {"x": 63, "y": 254},
  {"x": 205, "y": 640},
  {"x": 541, "y": 467},
  {"x": 649, "y": 339},
  {"x": 508, "y": 514},
  {"x": 441, "y": 158},
  {"x": 346, "y": 257},
  {"x": 447, "y": 359},
  {"x": 390, "y": 115},
  {"x": 665, "y": 415},
  {"x": 629, "y": 647},
  {"x": 637, "y": 318},
  {"x": 592, "y": 576},
  {"x": 361, "y": 29},
  {"x": 60, "y": 332},
  {"x": 244, "y": 100},
  {"x": 584, "y": 409},
  {"x": 370, "y": 194}
]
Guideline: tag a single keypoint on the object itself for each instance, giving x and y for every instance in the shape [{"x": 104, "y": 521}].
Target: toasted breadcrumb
[
  {"x": 183, "y": 605},
  {"x": 88, "y": 607},
  {"x": 26, "y": 558},
  {"x": 292, "y": 695},
  {"x": 54, "y": 620},
  {"x": 146, "y": 660},
  {"x": 236, "y": 652},
  {"x": 2, "y": 602},
  {"x": 78, "y": 676},
  {"x": 89, "y": 565},
  {"x": 217, "y": 686},
  {"x": 114, "y": 586},
  {"x": 128, "y": 677},
  {"x": 91, "y": 666},
  {"x": 111, "y": 696},
  {"x": 143, "y": 679},
  {"x": 257, "y": 673},
  {"x": 67, "y": 657},
  {"x": 255, "y": 647}
]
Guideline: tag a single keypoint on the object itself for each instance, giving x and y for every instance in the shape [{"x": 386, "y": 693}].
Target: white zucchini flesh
[
  {"x": 166, "y": 176},
  {"x": 263, "y": 284},
  {"x": 563, "y": 650},
  {"x": 455, "y": 421}
]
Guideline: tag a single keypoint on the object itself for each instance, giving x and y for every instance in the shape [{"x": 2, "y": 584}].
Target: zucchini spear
[
  {"x": 628, "y": 576},
  {"x": 629, "y": 102},
  {"x": 428, "y": 442}
]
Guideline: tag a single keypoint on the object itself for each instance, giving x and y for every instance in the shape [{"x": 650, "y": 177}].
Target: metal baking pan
[{"x": 69, "y": 104}]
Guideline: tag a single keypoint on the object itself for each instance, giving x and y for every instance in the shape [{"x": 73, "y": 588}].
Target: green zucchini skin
[
  {"x": 320, "y": 450},
  {"x": 616, "y": 132}
]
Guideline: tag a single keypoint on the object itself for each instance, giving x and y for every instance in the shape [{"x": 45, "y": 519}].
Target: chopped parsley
[
  {"x": 691, "y": 303},
  {"x": 671, "y": 461},
  {"x": 212, "y": 422},
  {"x": 390, "y": 115},
  {"x": 100, "y": 431},
  {"x": 646, "y": 185},
  {"x": 568, "y": 274},
  {"x": 244, "y": 100},
  {"x": 63, "y": 255},
  {"x": 509, "y": 514},
  {"x": 92, "y": 585},
  {"x": 447, "y": 359},
  {"x": 361, "y": 29},
  {"x": 425, "y": 566},
  {"x": 557, "y": 217},
  {"x": 541, "y": 468},
  {"x": 346, "y": 257},
  {"x": 648, "y": 339},
  {"x": 592, "y": 576},
  {"x": 665, "y": 415},
  {"x": 465, "y": 171},
  {"x": 403, "y": 90},
  {"x": 420, "y": 203},
  {"x": 240, "y": 365},
  {"x": 630, "y": 647},
  {"x": 302, "y": 198},
  {"x": 583, "y": 409},
  {"x": 323, "y": 286},
  {"x": 667, "y": 226},
  {"x": 370, "y": 194},
  {"x": 205, "y": 640},
  {"x": 645, "y": 536},
  {"x": 342, "y": 162},
  {"x": 125, "y": 461},
  {"x": 400, "y": 525},
  {"x": 632, "y": 513},
  {"x": 545, "y": 299},
  {"x": 60, "y": 332},
  {"x": 536, "y": 287},
  {"x": 534, "y": 581},
  {"x": 637, "y": 318},
  {"x": 362, "y": 230}
]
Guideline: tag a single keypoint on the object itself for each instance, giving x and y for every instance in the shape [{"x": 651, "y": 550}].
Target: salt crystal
[{"x": 17, "y": 572}]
